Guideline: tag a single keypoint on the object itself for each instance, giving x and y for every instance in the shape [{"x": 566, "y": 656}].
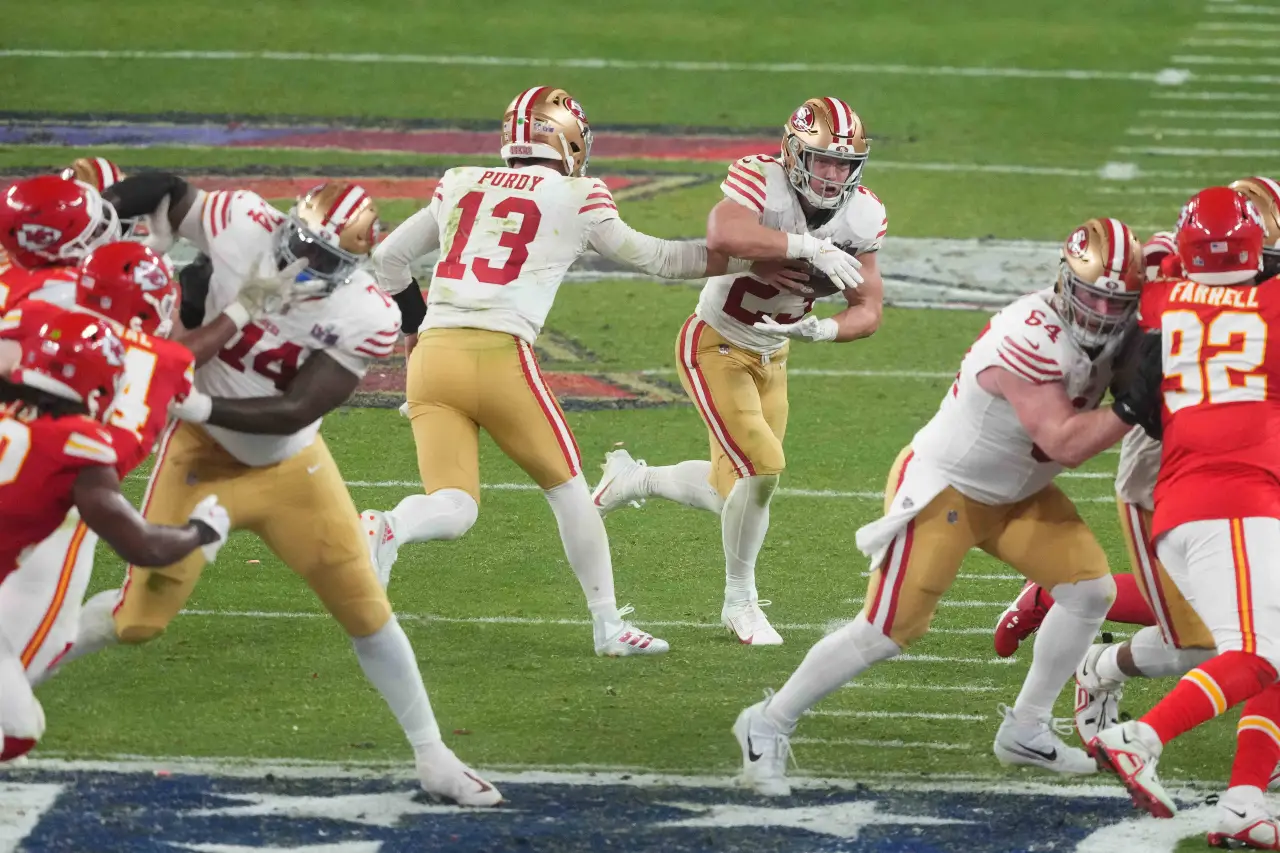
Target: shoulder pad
[
  {"x": 1029, "y": 339},
  {"x": 599, "y": 198},
  {"x": 747, "y": 181}
]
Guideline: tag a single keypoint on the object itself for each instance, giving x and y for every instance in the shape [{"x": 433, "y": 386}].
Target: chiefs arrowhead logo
[
  {"x": 149, "y": 276},
  {"x": 802, "y": 120},
  {"x": 1078, "y": 243},
  {"x": 576, "y": 108},
  {"x": 36, "y": 238}
]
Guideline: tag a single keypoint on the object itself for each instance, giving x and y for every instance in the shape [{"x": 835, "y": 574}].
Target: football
[{"x": 820, "y": 282}]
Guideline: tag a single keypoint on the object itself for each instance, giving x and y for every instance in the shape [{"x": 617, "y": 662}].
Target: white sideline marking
[
  {"x": 940, "y": 688},
  {"x": 1219, "y": 132},
  {"x": 884, "y": 744},
  {"x": 1200, "y": 152},
  {"x": 593, "y": 63},
  {"x": 1217, "y": 96},
  {"x": 899, "y": 715},
  {"x": 22, "y": 805},
  {"x": 1267, "y": 115}
]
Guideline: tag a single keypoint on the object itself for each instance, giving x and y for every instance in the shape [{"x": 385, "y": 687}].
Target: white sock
[
  {"x": 688, "y": 483},
  {"x": 832, "y": 662},
  {"x": 1063, "y": 639},
  {"x": 20, "y": 714},
  {"x": 586, "y": 546},
  {"x": 96, "y": 631},
  {"x": 744, "y": 521},
  {"x": 443, "y": 514},
  {"x": 389, "y": 663},
  {"x": 1155, "y": 659}
]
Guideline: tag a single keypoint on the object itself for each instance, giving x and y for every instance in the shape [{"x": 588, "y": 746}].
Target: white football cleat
[
  {"x": 1131, "y": 750},
  {"x": 383, "y": 545},
  {"x": 1244, "y": 824},
  {"x": 619, "y": 485},
  {"x": 444, "y": 777},
  {"x": 1097, "y": 698},
  {"x": 765, "y": 751},
  {"x": 622, "y": 639},
  {"x": 1036, "y": 744},
  {"x": 747, "y": 620}
]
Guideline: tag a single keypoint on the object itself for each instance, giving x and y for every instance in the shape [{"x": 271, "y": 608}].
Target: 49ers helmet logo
[
  {"x": 803, "y": 120},
  {"x": 149, "y": 276},
  {"x": 35, "y": 237},
  {"x": 574, "y": 107},
  {"x": 1078, "y": 243}
]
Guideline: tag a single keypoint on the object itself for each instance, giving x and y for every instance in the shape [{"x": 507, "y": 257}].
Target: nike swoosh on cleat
[
  {"x": 1051, "y": 755},
  {"x": 1240, "y": 815},
  {"x": 484, "y": 786},
  {"x": 754, "y": 756}
]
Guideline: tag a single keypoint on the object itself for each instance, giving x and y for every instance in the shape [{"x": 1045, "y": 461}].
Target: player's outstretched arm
[
  {"x": 416, "y": 236},
  {"x": 162, "y": 196},
  {"x": 321, "y": 386},
  {"x": 106, "y": 512},
  {"x": 1067, "y": 436}
]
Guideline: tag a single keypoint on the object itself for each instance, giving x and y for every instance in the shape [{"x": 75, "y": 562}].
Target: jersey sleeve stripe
[
  {"x": 752, "y": 177},
  {"x": 383, "y": 353},
  {"x": 1048, "y": 363},
  {"x": 756, "y": 192},
  {"x": 605, "y": 195},
  {"x": 82, "y": 447},
  {"x": 590, "y": 207},
  {"x": 1041, "y": 371},
  {"x": 741, "y": 193},
  {"x": 226, "y": 209},
  {"x": 1020, "y": 371}
]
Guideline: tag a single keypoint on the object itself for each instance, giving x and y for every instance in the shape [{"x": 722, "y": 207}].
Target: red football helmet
[
  {"x": 1220, "y": 237},
  {"x": 130, "y": 284},
  {"x": 74, "y": 356},
  {"x": 50, "y": 220}
]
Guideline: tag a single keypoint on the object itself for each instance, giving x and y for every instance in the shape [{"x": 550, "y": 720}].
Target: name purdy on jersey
[
  {"x": 354, "y": 324},
  {"x": 976, "y": 440},
  {"x": 732, "y": 304}
]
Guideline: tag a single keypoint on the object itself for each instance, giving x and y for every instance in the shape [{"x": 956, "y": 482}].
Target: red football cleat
[{"x": 1021, "y": 619}]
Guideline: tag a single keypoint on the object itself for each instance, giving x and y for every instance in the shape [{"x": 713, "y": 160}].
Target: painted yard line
[
  {"x": 899, "y": 715},
  {"x": 1233, "y": 9},
  {"x": 592, "y": 63},
  {"x": 1184, "y": 193},
  {"x": 427, "y": 618},
  {"x": 1226, "y": 59},
  {"x": 1219, "y": 132},
  {"x": 1162, "y": 151},
  {"x": 914, "y": 658},
  {"x": 1006, "y": 576},
  {"x": 1217, "y": 96},
  {"x": 945, "y": 602},
  {"x": 938, "y": 688},
  {"x": 804, "y": 371},
  {"x": 883, "y": 744},
  {"x": 1219, "y": 27},
  {"x": 1268, "y": 44},
  {"x": 1224, "y": 115}
]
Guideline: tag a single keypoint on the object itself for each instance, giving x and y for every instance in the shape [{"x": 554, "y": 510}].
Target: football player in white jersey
[
  {"x": 732, "y": 353},
  {"x": 252, "y": 431},
  {"x": 507, "y": 235},
  {"x": 980, "y": 474}
]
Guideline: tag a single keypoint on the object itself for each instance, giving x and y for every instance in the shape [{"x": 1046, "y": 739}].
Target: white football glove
[
  {"x": 212, "y": 513},
  {"x": 404, "y": 409},
  {"x": 840, "y": 266},
  {"x": 194, "y": 408},
  {"x": 159, "y": 237},
  {"x": 810, "y": 328},
  {"x": 264, "y": 294}
]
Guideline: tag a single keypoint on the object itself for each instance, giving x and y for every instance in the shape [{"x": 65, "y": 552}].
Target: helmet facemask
[
  {"x": 1095, "y": 313},
  {"x": 825, "y": 178},
  {"x": 328, "y": 265},
  {"x": 103, "y": 228}
]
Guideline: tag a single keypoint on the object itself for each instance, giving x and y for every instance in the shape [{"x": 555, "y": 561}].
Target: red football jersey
[
  {"x": 40, "y": 458},
  {"x": 17, "y": 283},
  {"x": 157, "y": 371},
  {"x": 1221, "y": 389}
]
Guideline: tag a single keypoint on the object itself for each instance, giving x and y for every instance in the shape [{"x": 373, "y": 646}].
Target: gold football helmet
[
  {"x": 335, "y": 227},
  {"x": 1265, "y": 195},
  {"x": 824, "y": 147},
  {"x": 547, "y": 124},
  {"x": 1100, "y": 281},
  {"x": 97, "y": 172}
]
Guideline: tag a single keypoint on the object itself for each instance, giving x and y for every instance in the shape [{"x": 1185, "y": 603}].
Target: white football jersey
[
  {"x": 354, "y": 324},
  {"x": 1139, "y": 468},
  {"x": 732, "y": 304},
  {"x": 507, "y": 237},
  {"x": 976, "y": 439}
]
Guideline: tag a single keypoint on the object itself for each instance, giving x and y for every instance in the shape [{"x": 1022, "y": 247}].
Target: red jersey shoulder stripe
[
  {"x": 737, "y": 170},
  {"x": 740, "y": 191},
  {"x": 597, "y": 206},
  {"x": 1028, "y": 350}
]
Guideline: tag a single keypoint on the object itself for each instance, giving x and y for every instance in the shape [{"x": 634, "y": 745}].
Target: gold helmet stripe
[
  {"x": 842, "y": 115},
  {"x": 343, "y": 207},
  {"x": 522, "y": 115}
]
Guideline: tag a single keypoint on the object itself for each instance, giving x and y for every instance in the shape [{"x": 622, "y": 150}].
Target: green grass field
[{"x": 989, "y": 118}]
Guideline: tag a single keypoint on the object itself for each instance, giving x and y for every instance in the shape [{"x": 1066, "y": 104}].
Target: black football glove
[{"x": 1140, "y": 404}]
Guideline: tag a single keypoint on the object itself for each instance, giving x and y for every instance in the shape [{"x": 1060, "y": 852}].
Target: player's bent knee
[
  {"x": 364, "y": 618},
  {"x": 1087, "y": 598},
  {"x": 135, "y": 634},
  {"x": 462, "y": 515}
]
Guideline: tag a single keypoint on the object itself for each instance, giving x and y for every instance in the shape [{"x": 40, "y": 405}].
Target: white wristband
[
  {"x": 237, "y": 314},
  {"x": 801, "y": 246}
]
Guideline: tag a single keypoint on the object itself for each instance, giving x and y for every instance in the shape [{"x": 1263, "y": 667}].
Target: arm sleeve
[
  {"x": 138, "y": 195},
  {"x": 618, "y": 241},
  {"x": 415, "y": 237},
  {"x": 413, "y": 308}
]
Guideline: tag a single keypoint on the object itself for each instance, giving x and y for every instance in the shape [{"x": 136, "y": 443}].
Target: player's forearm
[
  {"x": 262, "y": 415},
  {"x": 748, "y": 240},
  {"x": 139, "y": 542},
  {"x": 857, "y": 322},
  {"x": 1082, "y": 437},
  {"x": 207, "y": 341}
]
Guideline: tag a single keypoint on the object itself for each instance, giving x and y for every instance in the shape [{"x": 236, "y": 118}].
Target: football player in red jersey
[
  {"x": 55, "y": 455},
  {"x": 128, "y": 287},
  {"x": 1217, "y": 508}
]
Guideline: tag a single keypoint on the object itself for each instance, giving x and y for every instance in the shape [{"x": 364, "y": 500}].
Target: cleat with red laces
[
  {"x": 1131, "y": 751},
  {"x": 1020, "y": 619},
  {"x": 620, "y": 638}
]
